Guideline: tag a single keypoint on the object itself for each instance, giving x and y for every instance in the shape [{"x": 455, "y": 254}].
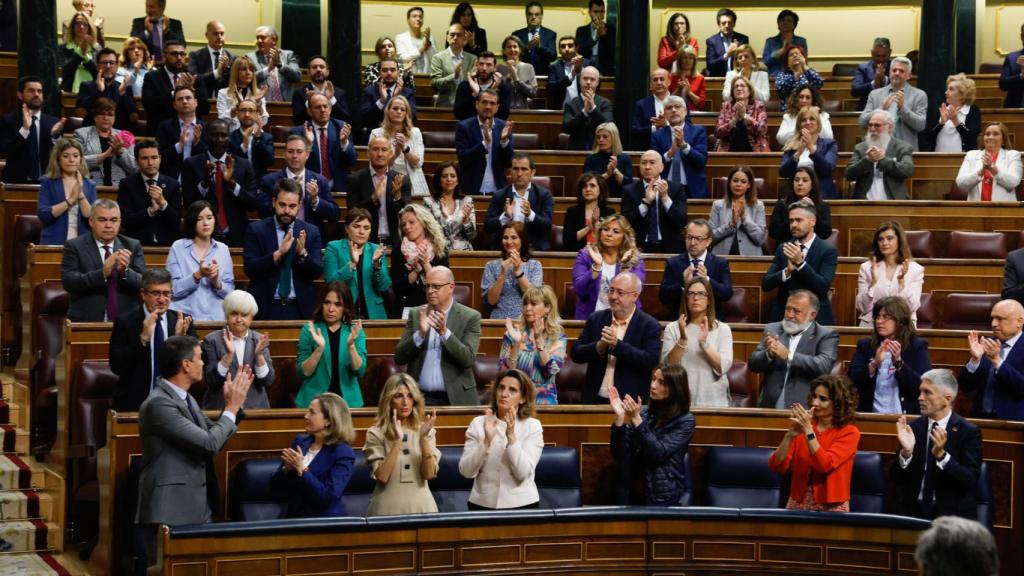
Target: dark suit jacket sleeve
[
  {"x": 543, "y": 213},
  {"x": 496, "y": 207},
  {"x": 641, "y": 122},
  {"x": 965, "y": 469},
  {"x": 862, "y": 79},
  {"x": 464, "y": 106},
  {"x": 584, "y": 41},
  {"x": 176, "y": 429},
  {"x": 312, "y": 266},
  {"x": 585, "y": 349},
  {"x": 327, "y": 208},
  {"x": 902, "y": 166},
  {"x": 916, "y": 361},
  {"x": 859, "y": 165},
  {"x": 468, "y": 148},
  {"x": 759, "y": 360},
  {"x": 1009, "y": 77},
  {"x": 72, "y": 277},
  {"x": 697, "y": 157},
  {"x": 1013, "y": 277},
  {"x": 245, "y": 177},
  {"x": 721, "y": 280},
  {"x": 677, "y": 213},
  {"x": 133, "y": 275},
  {"x": 133, "y": 214},
  {"x": 125, "y": 350},
  {"x": 671, "y": 288},
  {"x": 778, "y": 227},
  {"x": 322, "y": 490},
  {"x": 859, "y": 374},
  {"x": 644, "y": 352},
  {"x": 263, "y": 152},
  {"x": 258, "y": 263},
  {"x": 463, "y": 347},
  {"x": 819, "y": 280},
  {"x": 632, "y": 195}
]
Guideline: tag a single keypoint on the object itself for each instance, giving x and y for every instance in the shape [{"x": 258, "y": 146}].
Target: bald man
[
  {"x": 211, "y": 63},
  {"x": 996, "y": 367},
  {"x": 440, "y": 342},
  {"x": 649, "y": 112},
  {"x": 584, "y": 113}
]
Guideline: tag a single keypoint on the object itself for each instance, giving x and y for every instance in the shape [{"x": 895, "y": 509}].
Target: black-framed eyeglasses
[{"x": 435, "y": 287}]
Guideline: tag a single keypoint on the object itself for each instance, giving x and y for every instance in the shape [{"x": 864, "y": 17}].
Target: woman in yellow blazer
[{"x": 332, "y": 350}]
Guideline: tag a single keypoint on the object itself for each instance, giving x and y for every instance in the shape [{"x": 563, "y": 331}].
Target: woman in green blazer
[
  {"x": 332, "y": 350},
  {"x": 344, "y": 257}
]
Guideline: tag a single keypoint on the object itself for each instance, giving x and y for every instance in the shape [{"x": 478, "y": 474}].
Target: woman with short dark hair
[
  {"x": 450, "y": 206},
  {"x": 887, "y": 366},
  {"x": 361, "y": 264},
  {"x": 580, "y": 225},
  {"x": 201, "y": 268},
  {"x": 802, "y": 187},
  {"x": 332, "y": 349}
]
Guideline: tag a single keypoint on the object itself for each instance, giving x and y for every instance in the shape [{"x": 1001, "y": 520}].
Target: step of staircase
[
  {"x": 28, "y": 536},
  {"x": 17, "y": 473},
  {"x": 25, "y": 505},
  {"x": 31, "y": 564}
]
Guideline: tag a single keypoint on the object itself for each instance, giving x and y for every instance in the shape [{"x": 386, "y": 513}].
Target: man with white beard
[
  {"x": 881, "y": 164},
  {"x": 793, "y": 352},
  {"x": 907, "y": 104}
]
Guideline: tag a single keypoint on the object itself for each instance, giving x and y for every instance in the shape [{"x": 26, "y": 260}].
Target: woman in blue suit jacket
[
  {"x": 65, "y": 192},
  {"x": 797, "y": 152},
  {"x": 887, "y": 366},
  {"x": 366, "y": 273},
  {"x": 318, "y": 466}
]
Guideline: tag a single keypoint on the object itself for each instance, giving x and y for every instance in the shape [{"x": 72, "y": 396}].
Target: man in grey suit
[
  {"x": 440, "y": 344},
  {"x": 178, "y": 484},
  {"x": 451, "y": 66},
  {"x": 101, "y": 269},
  {"x": 881, "y": 164},
  {"x": 793, "y": 352},
  {"x": 907, "y": 104},
  {"x": 278, "y": 69},
  {"x": 584, "y": 113}
]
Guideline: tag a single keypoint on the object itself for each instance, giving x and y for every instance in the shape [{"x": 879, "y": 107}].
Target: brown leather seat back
[
  {"x": 89, "y": 398},
  {"x": 525, "y": 142},
  {"x": 741, "y": 393},
  {"x": 927, "y": 316},
  {"x": 438, "y": 139},
  {"x": 963, "y": 244},
  {"x": 485, "y": 369},
  {"x": 922, "y": 243},
  {"x": 968, "y": 311},
  {"x": 569, "y": 381}
]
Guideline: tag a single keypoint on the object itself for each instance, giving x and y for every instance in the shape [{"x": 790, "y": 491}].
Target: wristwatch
[{"x": 810, "y": 436}]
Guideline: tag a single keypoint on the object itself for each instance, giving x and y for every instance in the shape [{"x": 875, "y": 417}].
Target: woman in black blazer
[
  {"x": 608, "y": 147},
  {"x": 803, "y": 185},
  {"x": 580, "y": 224},
  {"x": 887, "y": 366},
  {"x": 959, "y": 120}
]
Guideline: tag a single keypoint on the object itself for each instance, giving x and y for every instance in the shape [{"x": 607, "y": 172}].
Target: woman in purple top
[{"x": 613, "y": 251}]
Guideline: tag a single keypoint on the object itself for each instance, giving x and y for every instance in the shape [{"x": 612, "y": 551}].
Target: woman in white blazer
[
  {"x": 985, "y": 180},
  {"x": 748, "y": 67},
  {"x": 738, "y": 221},
  {"x": 503, "y": 447},
  {"x": 890, "y": 271}
]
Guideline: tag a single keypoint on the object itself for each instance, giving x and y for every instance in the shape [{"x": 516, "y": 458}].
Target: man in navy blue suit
[
  {"x": 655, "y": 208},
  {"x": 620, "y": 345},
  {"x": 939, "y": 456},
  {"x": 996, "y": 367},
  {"x": 649, "y": 112},
  {"x": 227, "y": 182},
  {"x": 319, "y": 73},
  {"x": 1011, "y": 79},
  {"x": 282, "y": 257},
  {"x": 316, "y": 204},
  {"x": 539, "y": 41},
  {"x": 721, "y": 48},
  {"x": 524, "y": 201},
  {"x": 596, "y": 40},
  {"x": 564, "y": 73},
  {"x": 684, "y": 149},
  {"x": 249, "y": 140},
  {"x": 182, "y": 136},
  {"x": 873, "y": 73},
  {"x": 27, "y": 134},
  {"x": 150, "y": 201},
  {"x": 376, "y": 96},
  {"x": 696, "y": 261},
  {"x": 333, "y": 153},
  {"x": 483, "y": 144},
  {"x": 806, "y": 263},
  {"x": 107, "y": 87},
  {"x": 158, "y": 88},
  {"x": 485, "y": 76}
]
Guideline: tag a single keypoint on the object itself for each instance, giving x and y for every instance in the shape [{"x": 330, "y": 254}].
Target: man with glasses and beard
[
  {"x": 105, "y": 86},
  {"x": 793, "y": 352},
  {"x": 881, "y": 164},
  {"x": 696, "y": 261},
  {"x": 805, "y": 263},
  {"x": 319, "y": 72},
  {"x": 158, "y": 89}
]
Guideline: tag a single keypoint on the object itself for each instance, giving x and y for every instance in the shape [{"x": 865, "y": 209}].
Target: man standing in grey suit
[
  {"x": 881, "y": 164},
  {"x": 793, "y": 352},
  {"x": 907, "y": 104},
  {"x": 278, "y": 69},
  {"x": 440, "y": 344},
  {"x": 178, "y": 484},
  {"x": 451, "y": 66}
]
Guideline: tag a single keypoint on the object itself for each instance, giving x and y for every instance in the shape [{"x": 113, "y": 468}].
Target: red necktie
[
  {"x": 325, "y": 161},
  {"x": 987, "y": 181},
  {"x": 218, "y": 187}
]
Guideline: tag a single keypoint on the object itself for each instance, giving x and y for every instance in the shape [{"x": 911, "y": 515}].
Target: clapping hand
[
  {"x": 490, "y": 427},
  {"x": 428, "y": 423},
  {"x": 801, "y": 419},
  {"x": 353, "y": 333},
  {"x": 515, "y": 334},
  {"x": 632, "y": 408},
  {"x": 318, "y": 338},
  {"x": 292, "y": 459},
  {"x": 617, "y": 407},
  {"x": 182, "y": 325},
  {"x": 905, "y": 435}
]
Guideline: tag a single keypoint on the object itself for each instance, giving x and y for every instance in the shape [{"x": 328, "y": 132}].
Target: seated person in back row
[
  {"x": 881, "y": 164},
  {"x": 523, "y": 201},
  {"x": 684, "y": 149}
]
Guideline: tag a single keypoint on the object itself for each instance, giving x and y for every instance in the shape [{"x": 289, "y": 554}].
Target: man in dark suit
[
  {"x": 440, "y": 343},
  {"x": 178, "y": 483},
  {"x": 376, "y": 96},
  {"x": 484, "y": 76},
  {"x": 584, "y": 113},
  {"x": 806, "y": 263},
  {"x": 156, "y": 29},
  {"x": 1011, "y": 79},
  {"x": 282, "y": 258},
  {"x": 101, "y": 269},
  {"x": 1013, "y": 276},
  {"x": 227, "y": 182},
  {"x": 620, "y": 345},
  {"x": 333, "y": 152},
  {"x": 27, "y": 134},
  {"x": 683, "y": 147},
  {"x": 150, "y": 201},
  {"x": 696, "y": 261},
  {"x": 996, "y": 367},
  {"x": 249, "y": 140},
  {"x": 524, "y": 201},
  {"x": 211, "y": 64},
  {"x": 136, "y": 338},
  {"x": 873, "y": 73},
  {"x": 563, "y": 74},
  {"x": 106, "y": 86},
  {"x": 182, "y": 136},
  {"x": 319, "y": 73},
  {"x": 596, "y": 40},
  {"x": 483, "y": 144},
  {"x": 721, "y": 48},
  {"x": 381, "y": 191},
  {"x": 317, "y": 205},
  {"x": 793, "y": 352},
  {"x": 655, "y": 208},
  {"x": 539, "y": 41},
  {"x": 939, "y": 456},
  {"x": 649, "y": 112},
  {"x": 160, "y": 85}
]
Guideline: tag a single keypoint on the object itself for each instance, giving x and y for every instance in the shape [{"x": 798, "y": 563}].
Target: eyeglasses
[
  {"x": 159, "y": 293},
  {"x": 619, "y": 292},
  {"x": 435, "y": 287},
  {"x": 696, "y": 238},
  {"x": 175, "y": 53},
  {"x": 697, "y": 295}
]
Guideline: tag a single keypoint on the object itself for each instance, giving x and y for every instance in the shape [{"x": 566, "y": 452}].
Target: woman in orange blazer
[{"x": 820, "y": 446}]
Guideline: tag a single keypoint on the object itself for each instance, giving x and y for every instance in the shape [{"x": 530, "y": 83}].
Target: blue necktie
[
  {"x": 988, "y": 401},
  {"x": 677, "y": 168},
  {"x": 930, "y": 463},
  {"x": 158, "y": 339},
  {"x": 652, "y": 222},
  {"x": 696, "y": 264},
  {"x": 196, "y": 416},
  {"x": 33, "y": 151}
]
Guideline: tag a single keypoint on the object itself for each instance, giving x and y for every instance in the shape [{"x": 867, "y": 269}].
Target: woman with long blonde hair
[
  {"x": 613, "y": 251},
  {"x": 134, "y": 64},
  {"x": 422, "y": 247},
  {"x": 242, "y": 85},
  {"x": 535, "y": 342}
]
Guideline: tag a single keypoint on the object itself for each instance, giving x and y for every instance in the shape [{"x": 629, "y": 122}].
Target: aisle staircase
[{"x": 31, "y": 496}]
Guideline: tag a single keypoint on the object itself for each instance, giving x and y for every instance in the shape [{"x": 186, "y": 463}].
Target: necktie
[
  {"x": 284, "y": 281},
  {"x": 676, "y": 172},
  {"x": 928, "y": 487},
  {"x": 274, "y": 87},
  {"x": 158, "y": 339},
  {"x": 174, "y": 81},
  {"x": 111, "y": 287},
  {"x": 186, "y": 152},
  {"x": 987, "y": 181},
  {"x": 988, "y": 401},
  {"x": 33, "y": 151},
  {"x": 302, "y": 200},
  {"x": 158, "y": 39},
  {"x": 194, "y": 412},
  {"x": 391, "y": 91},
  {"x": 652, "y": 222},
  {"x": 803, "y": 247},
  {"x": 216, "y": 59},
  {"x": 325, "y": 158},
  {"x": 218, "y": 187},
  {"x": 696, "y": 264}
]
